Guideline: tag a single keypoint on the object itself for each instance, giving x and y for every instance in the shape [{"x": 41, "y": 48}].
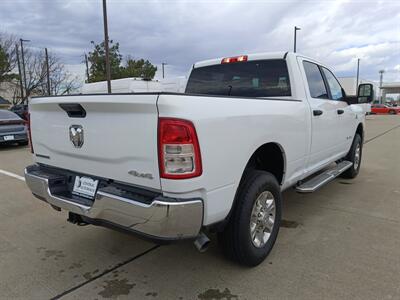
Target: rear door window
[
  {"x": 258, "y": 78},
  {"x": 315, "y": 81}
]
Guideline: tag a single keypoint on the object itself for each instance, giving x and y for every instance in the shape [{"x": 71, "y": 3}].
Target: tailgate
[{"x": 119, "y": 134}]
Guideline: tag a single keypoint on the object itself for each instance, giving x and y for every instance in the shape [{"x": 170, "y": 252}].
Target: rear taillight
[
  {"x": 228, "y": 60},
  {"x": 28, "y": 127},
  {"x": 178, "y": 149}
]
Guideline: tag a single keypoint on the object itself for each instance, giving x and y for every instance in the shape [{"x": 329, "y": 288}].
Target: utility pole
[
  {"x": 87, "y": 68},
  {"x": 163, "y": 64},
  {"x": 380, "y": 84},
  {"x": 19, "y": 73},
  {"x": 47, "y": 72},
  {"x": 358, "y": 74},
  {"x": 23, "y": 63},
  {"x": 295, "y": 37},
  {"x": 108, "y": 71}
]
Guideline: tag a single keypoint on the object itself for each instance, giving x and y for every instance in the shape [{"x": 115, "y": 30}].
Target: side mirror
[{"x": 365, "y": 93}]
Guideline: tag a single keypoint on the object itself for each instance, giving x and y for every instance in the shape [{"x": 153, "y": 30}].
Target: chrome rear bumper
[{"x": 163, "y": 219}]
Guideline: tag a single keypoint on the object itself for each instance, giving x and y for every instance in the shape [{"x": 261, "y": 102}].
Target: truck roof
[{"x": 253, "y": 56}]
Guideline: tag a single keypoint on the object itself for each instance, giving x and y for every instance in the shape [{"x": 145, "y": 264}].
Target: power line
[
  {"x": 23, "y": 64},
  {"x": 108, "y": 71},
  {"x": 19, "y": 73},
  {"x": 295, "y": 37},
  {"x": 358, "y": 74},
  {"x": 47, "y": 72},
  {"x": 163, "y": 64},
  {"x": 87, "y": 67}
]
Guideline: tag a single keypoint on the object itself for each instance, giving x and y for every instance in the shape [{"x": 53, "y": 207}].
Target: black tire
[
  {"x": 352, "y": 172},
  {"x": 236, "y": 240},
  {"x": 392, "y": 112}
]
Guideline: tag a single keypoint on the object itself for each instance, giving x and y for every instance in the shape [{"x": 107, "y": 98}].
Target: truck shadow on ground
[{"x": 177, "y": 265}]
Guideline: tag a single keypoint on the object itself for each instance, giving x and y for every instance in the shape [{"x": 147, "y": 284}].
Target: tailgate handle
[{"x": 74, "y": 110}]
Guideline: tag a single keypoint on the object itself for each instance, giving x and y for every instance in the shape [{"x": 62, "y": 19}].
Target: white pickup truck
[{"x": 172, "y": 166}]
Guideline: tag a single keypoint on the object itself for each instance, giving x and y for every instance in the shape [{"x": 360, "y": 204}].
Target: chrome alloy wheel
[
  {"x": 262, "y": 219},
  {"x": 357, "y": 157}
]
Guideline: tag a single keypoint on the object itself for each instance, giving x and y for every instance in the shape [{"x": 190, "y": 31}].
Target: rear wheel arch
[{"x": 268, "y": 157}]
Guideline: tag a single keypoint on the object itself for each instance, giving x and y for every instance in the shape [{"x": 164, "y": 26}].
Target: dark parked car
[
  {"x": 12, "y": 128},
  {"x": 21, "y": 110}
]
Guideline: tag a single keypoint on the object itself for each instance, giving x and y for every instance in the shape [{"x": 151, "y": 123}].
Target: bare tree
[
  {"x": 8, "y": 59},
  {"x": 61, "y": 81},
  {"x": 36, "y": 72}
]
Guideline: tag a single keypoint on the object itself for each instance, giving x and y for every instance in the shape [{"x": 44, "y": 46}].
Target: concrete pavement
[{"x": 342, "y": 241}]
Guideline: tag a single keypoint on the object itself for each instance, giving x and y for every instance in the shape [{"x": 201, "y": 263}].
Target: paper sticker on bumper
[{"x": 85, "y": 186}]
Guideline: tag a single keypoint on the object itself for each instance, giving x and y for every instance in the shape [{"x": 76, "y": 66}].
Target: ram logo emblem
[{"x": 76, "y": 135}]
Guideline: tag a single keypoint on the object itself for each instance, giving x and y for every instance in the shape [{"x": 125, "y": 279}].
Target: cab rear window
[{"x": 260, "y": 78}]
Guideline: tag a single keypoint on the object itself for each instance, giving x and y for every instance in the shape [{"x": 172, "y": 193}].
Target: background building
[
  {"x": 349, "y": 85},
  {"x": 10, "y": 90},
  {"x": 391, "y": 93}
]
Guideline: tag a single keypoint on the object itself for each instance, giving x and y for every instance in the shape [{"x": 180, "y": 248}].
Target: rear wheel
[
  {"x": 354, "y": 156},
  {"x": 392, "y": 112},
  {"x": 254, "y": 224}
]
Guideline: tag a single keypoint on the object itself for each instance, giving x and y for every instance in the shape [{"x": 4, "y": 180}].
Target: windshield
[{"x": 260, "y": 78}]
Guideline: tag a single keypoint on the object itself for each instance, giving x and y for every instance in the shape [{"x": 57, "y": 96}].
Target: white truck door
[
  {"x": 324, "y": 116},
  {"x": 345, "y": 115}
]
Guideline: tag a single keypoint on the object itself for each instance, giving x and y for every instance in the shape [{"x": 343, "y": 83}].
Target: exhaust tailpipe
[{"x": 202, "y": 242}]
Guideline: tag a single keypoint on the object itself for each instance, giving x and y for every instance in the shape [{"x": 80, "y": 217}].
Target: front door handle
[
  {"x": 340, "y": 111},
  {"x": 317, "y": 112}
]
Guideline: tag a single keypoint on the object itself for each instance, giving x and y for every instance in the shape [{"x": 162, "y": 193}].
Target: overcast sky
[{"x": 183, "y": 32}]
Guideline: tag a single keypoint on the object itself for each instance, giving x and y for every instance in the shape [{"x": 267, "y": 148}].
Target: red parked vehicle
[{"x": 384, "y": 109}]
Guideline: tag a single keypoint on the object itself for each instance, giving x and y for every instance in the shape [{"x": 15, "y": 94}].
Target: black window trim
[
  {"x": 327, "y": 84},
  {"x": 325, "y": 81},
  {"x": 328, "y": 91}
]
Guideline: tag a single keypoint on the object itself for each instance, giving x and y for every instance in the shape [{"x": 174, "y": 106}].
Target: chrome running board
[{"x": 320, "y": 180}]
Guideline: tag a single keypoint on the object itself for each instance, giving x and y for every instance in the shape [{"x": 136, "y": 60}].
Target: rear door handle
[
  {"x": 340, "y": 111},
  {"x": 317, "y": 112}
]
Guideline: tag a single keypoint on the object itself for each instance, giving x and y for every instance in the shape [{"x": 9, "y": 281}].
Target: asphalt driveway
[{"x": 342, "y": 241}]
